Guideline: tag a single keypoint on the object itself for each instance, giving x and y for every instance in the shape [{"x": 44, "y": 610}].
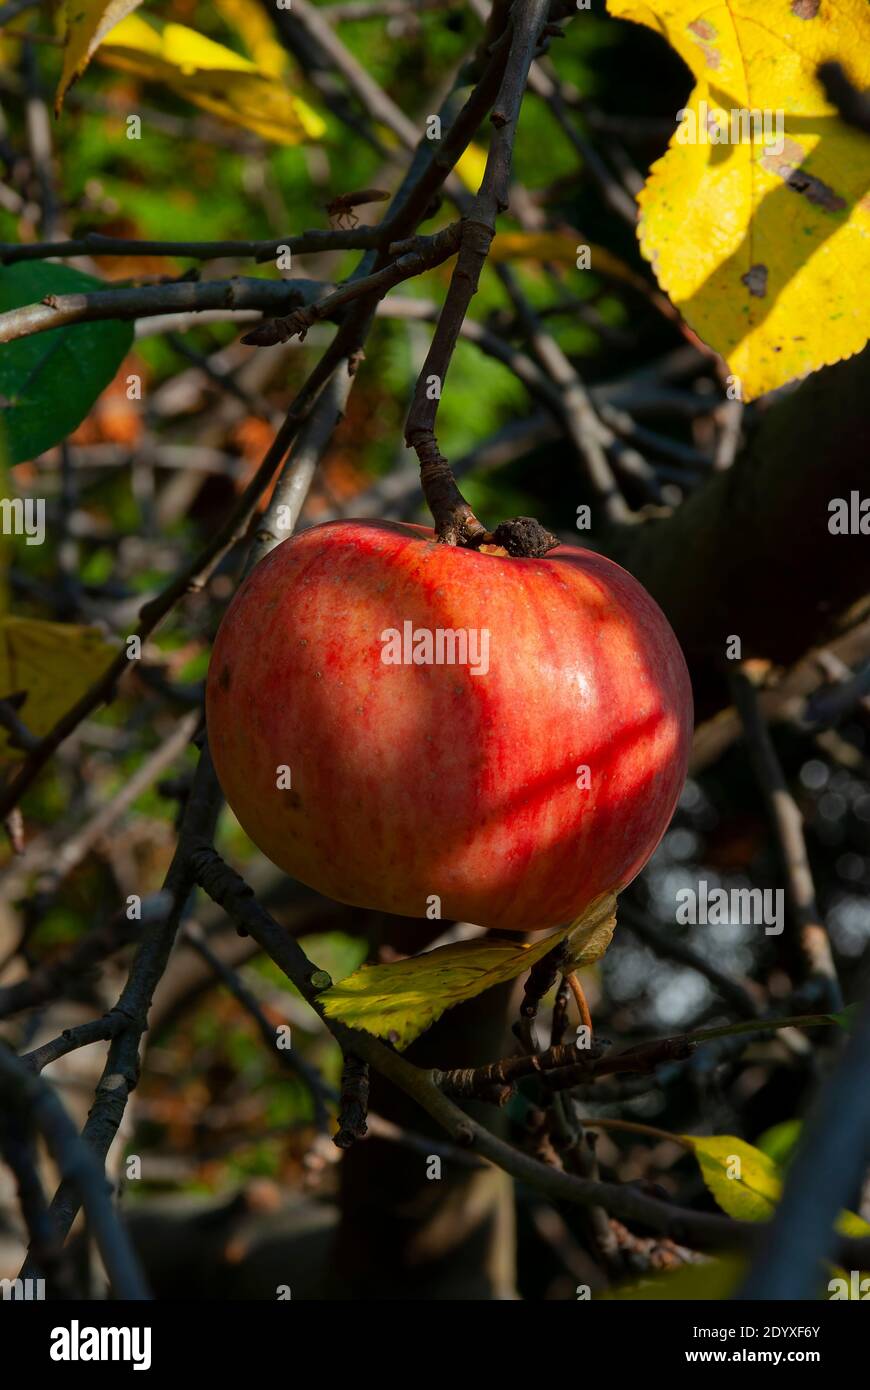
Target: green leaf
[
  {"x": 779, "y": 1142},
  {"x": 401, "y": 1000},
  {"x": 747, "y": 1189},
  {"x": 49, "y": 382}
]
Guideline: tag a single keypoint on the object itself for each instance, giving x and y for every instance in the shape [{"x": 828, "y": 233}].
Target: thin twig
[
  {"x": 96, "y": 244},
  {"x": 455, "y": 521},
  {"x": 788, "y": 827},
  {"x": 288, "y": 1058},
  {"x": 143, "y": 301},
  {"x": 412, "y": 258}
]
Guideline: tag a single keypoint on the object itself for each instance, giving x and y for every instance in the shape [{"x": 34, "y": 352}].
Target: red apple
[{"x": 515, "y": 786}]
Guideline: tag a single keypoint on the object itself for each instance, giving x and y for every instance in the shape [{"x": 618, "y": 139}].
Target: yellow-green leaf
[
  {"x": 54, "y": 663},
  {"x": 760, "y": 243},
  {"x": 754, "y": 1187},
  {"x": 849, "y": 1223},
  {"x": 212, "y": 77},
  {"x": 752, "y": 1193},
  {"x": 86, "y": 24},
  {"x": 780, "y": 1141},
  {"x": 401, "y": 1000}
]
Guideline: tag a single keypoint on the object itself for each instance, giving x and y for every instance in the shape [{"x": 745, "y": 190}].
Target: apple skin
[{"x": 415, "y": 780}]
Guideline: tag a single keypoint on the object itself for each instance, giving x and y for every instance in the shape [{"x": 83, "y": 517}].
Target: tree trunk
[
  {"x": 761, "y": 528},
  {"x": 404, "y": 1234}
]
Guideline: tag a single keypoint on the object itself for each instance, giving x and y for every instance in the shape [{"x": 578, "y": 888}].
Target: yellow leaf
[
  {"x": 86, "y": 24},
  {"x": 750, "y": 1195},
  {"x": 753, "y": 1191},
  {"x": 255, "y": 28},
  {"x": 848, "y": 1223},
  {"x": 401, "y": 1000},
  {"x": 590, "y": 934},
  {"x": 561, "y": 247},
  {"x": 212, "y": 77},
  {"x": 54, "y": 662},
  {"x": 471, "y": 166},
  {"x": 761, "y": 241}
]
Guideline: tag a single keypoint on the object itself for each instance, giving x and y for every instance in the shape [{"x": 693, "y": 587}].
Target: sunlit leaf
[
  {"x": 86, "y": 24},
  {"x": 761, "y": 242},
  {"x": 399, "y": 1001},
  {"x": 257, "y": 31},
  {"x": 471, "y": 167},
  {"x": 213, "y": 77},
  {"x": 752, "y": 1193}
]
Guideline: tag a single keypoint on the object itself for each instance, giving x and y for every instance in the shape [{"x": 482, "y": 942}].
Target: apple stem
[
  {"x": 455, "y": 522},
  {"x": 580, "y": 1000}
]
